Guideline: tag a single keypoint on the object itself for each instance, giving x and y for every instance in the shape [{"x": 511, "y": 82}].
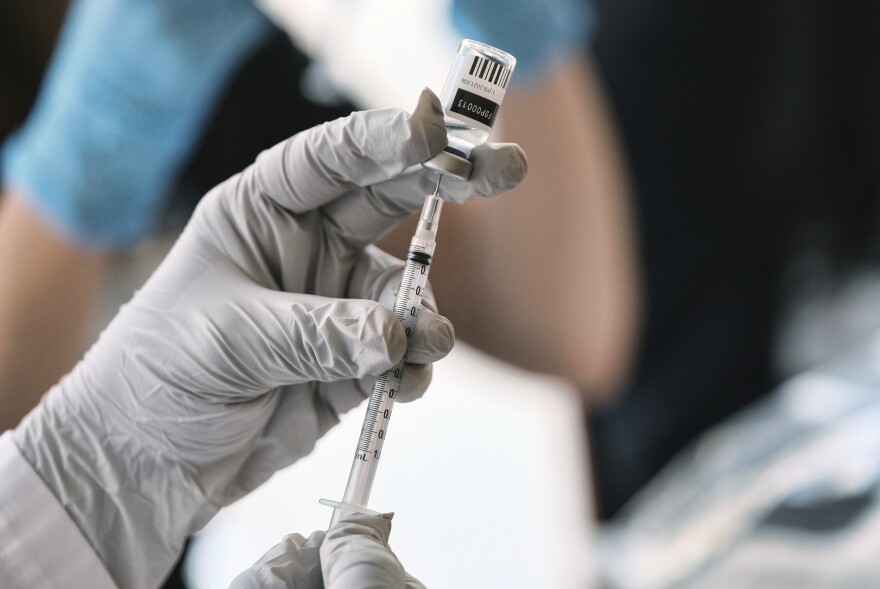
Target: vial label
[
  {"x": 475, "y": 107},
  {"x": 480, "y": 87}
]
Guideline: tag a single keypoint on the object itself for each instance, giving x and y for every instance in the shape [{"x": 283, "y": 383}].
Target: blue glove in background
[
  {"x": 129, "y": 88},
  {"x": 534, "y": 31}
]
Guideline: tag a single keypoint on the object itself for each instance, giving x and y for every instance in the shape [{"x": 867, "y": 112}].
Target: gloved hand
[
  {"x": 257, "y": 330},
  {"x": 352, "y": 554}
]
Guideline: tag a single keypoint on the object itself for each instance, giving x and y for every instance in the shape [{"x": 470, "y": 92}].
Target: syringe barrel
[
  {"x": 382, "y": 398},
  {"x": 471, "y": 98}
]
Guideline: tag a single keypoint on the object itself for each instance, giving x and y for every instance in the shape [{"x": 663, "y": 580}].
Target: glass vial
[{"x": 471, "y": 99}]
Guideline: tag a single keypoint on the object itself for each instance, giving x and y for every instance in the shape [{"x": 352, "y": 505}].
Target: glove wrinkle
[
  {"x": 292, "y": 564},
  {"x": 351, "y": 339}
]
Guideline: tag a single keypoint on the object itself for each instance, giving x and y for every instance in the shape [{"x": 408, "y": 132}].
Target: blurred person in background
[
  {"x": 752, "y": 131},
  {"x": 107, "y": 153},
  {"x": 744, "y": 250},
  {"x": 749, "y": 131}
]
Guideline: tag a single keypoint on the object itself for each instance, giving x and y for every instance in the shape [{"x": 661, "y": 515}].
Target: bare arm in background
[
  {"x": 94, "y": 160},
  {"x": 547, "y": 278},
  {"x": 48, "y": 288}
]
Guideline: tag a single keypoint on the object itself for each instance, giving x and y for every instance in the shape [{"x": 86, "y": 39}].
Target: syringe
[
  {"x": 406, "y": 308},
  {"x": 474, "y": 89}
]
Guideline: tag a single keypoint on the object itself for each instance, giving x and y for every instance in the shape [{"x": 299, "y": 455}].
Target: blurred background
[{"x": 671, "y": 326}]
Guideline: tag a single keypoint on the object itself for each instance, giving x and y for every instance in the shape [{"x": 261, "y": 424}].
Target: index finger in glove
[
  {"x": 432, "y": 340},
  {"x": 378, "y": 277},
  {"x": 315, "y": 166},
  {"x": 286, "y": 338}
]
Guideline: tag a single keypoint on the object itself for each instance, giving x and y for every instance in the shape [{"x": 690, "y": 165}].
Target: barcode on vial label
[{"x": 490, "y": 71}]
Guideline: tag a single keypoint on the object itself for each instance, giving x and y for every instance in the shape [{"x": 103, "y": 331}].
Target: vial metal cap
[{"x": 449, "y": 164}]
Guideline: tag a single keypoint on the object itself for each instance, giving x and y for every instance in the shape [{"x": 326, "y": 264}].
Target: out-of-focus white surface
[
  {"x": 487, "y": 475},
  {"x": 707, "y": 519},
  {"x": 380, "y": 53}
]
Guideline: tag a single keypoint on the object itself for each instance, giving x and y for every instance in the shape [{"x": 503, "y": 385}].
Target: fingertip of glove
[
  {"x": 524, "y": 161},
  {"x": 445, "y": 333},
  {"x": 429, "y": 100},
  {"x": 396, "y": 344},
  {"x": 427, "y": 127},
  {"x": 432, "y": 340},
  {"x": 393, "y": 336},
  {"x": 498, "y": 167},
  {"x": 511, "y": 166}
]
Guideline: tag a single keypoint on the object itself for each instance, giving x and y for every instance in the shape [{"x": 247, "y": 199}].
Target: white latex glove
[
  {"x": 353, "y": 554},
  {"x": 257, "y": 330}
]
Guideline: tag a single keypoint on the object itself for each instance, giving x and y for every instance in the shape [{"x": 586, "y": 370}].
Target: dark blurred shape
[
  {"x": 27, "y": 35},
  {"x": 784, "y": 494},
  {"x": 753, "y": 134},
  {"x": 263, "y": 106},
  {"x": 822, "y": 515}
]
